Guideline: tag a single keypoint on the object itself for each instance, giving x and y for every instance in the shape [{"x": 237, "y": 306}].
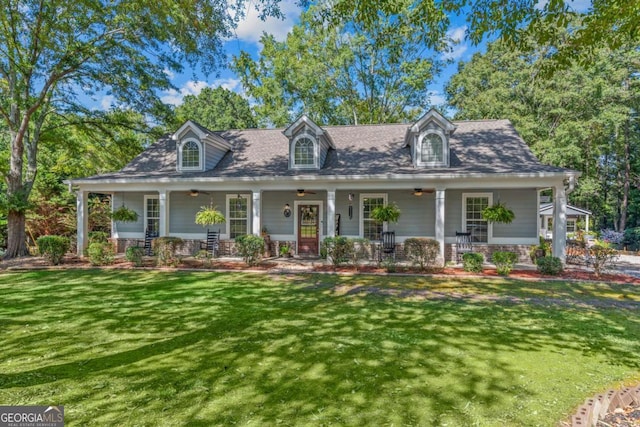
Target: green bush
[
  {"x": 250, "y": 248},
  {"x": 601, "y": 258},
  {"x": 550, "y": 265},
  {"x": 134, "y": 254},
  {"x": 504, "y": 262},
  {"x": 166, "y": 249},
  {"x": 53, "y": 248},
  {"x": 361, "y": 250},
  {"x": 422, "y": 252},
  {"x": 338, "y": 249},
  {"x": 101, "y": 253},
  {"x": 632, "y": 239},
  {"x": 98, "y": 237},
  {"x": 390, "y": 264},
  {"x": 472, "y": 262}
]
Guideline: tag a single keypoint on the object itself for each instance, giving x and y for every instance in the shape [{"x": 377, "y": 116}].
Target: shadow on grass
[{"x": 217, "y": 349}]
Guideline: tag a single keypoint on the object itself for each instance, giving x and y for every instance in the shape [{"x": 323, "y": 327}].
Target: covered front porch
[{"x": 302, "y": 217}]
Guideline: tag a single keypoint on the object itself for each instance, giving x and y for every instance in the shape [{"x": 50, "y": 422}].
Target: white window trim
[
  {"x": 228, "y": 212},
  {"x": 146, "y": 217},
  {"x": 445, "y": 148},
  {"x": 200, "y": 158},
  {"x": 464, "y": 213},
  {"x": 361, "y": 218},
  {"x": 316, "y": 152}
]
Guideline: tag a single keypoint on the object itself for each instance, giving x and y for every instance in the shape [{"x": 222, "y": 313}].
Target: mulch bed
[{"x": 73, "y": 261}]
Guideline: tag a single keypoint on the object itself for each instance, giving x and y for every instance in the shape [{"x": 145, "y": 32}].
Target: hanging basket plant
[
  {"x": 208, "y": 215},
  {"x": 388, "y": 213},
  {"x": 124, "y": 214},
  {"x": 498, "y": 213}
]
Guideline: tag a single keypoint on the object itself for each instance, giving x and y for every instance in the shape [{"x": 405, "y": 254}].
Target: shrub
[
  {"x": 53, "y": 248},
  {"x": 632, "y": 238},
  {"x": 205, "y": 256},
  {"x": 472, "y": 262},
  {"x": 504, "y": 262},
  {"x": 602, "y": 258},
  {"x": 612, "y": 237},
  {"x": 101, "y": 253},
  {"x": 360, "y": 250},
  {"x": 422, "y": 252},
  {"x": 98, "y": 237},
  {"x": 166, "y": 249},
  {"x": 338, "y": 249},
  {"x": 390, "y": 264},
  {"x": 250, "y": 248},
  {"x": 550, "y": 265},
  {"x": 134, "y": 254}
]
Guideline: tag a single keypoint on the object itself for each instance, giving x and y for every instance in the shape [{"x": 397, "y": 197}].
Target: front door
[{"x": 308, "y": 229}]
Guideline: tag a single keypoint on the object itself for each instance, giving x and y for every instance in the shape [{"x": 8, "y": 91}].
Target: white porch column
[
  {"x": 586, "y": 224},
  {"x": 331, "y": 213},
  {"x": 559, "y": 221},
  {"x": 255, "y": 208},
  {"x": 82, "y": 210},
  {"x": 163, "y": 197},
  {"x": 440, "y": 214}
]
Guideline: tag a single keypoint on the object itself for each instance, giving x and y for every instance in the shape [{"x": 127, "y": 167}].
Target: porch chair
[
  {"x": 147, "y": 243},
  {"x": 212, "y": 243},
  {"x": 388, "y": 247},
  {"x": 463, "y": 244}
]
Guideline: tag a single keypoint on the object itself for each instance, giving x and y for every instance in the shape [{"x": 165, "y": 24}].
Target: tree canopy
[
  {"x": 217, "y": 108},
  {"x": 342, "y": 74},
  {"x": 56, "y": 53}
]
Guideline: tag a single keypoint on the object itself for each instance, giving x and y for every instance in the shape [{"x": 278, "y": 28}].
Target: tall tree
[
  {"x": 581, "y": 117},
  {"x": 610, "y": 22},
  {"x": 340, "y": 75},
  {"x": 217, "y": 108},
  {"x": 53, "y": 53}
]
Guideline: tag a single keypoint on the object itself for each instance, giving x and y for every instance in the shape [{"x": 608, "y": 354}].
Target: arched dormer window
[
  {"x": 191, "y": 155},
  {"x": 304, "y": 152},
  {"x": 432, "y": 149}
]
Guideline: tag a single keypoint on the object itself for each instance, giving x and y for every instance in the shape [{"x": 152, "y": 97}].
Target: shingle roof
[{"x": 477, "y": 147}]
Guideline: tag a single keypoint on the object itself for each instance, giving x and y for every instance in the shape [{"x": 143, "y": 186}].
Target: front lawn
[{"x": 180, "y": 348}]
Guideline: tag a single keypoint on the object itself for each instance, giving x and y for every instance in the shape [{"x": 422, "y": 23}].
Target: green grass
[{"x": 180, "y": 348}]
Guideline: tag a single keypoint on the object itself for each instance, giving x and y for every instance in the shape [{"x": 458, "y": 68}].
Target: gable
[
  {"x": 429, "y": 140},
  {"x": 197, "y": 148},
  {"x": 309, "y": 144}
]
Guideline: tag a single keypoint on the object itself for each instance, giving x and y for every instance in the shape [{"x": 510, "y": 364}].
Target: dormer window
[
  {"x": 429, "y": 140},
  {"x": 432, "y": 149},
  {"x": 309, "y": 144},
  {"x": 190, "y": 155},
  {"x": 304, "y": 152}
]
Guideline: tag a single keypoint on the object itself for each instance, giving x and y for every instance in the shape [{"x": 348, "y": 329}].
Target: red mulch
[{"x": 571, "y": 274}]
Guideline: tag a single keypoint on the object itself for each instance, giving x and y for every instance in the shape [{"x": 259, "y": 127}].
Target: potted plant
[
  {"x": 387, "y": 213},
  {"x": 498, "y": 212},
  {"x": 124, "y": 214},
  {"x": 285, "y": 251},
  {"x": 208, "y": 215}
]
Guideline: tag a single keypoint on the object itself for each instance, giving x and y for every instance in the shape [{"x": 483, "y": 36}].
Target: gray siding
[
  {"x": 522, "y": 202},
  {"x": 324, "y": 150},
  {"x": 133, "y": 201},
  {"x": 417, "y": 214},
  {"x": 272, "y": 206},
  {"x": 212, "y": 156},
  {"x": 348, "y": 227},
  {"x": 183, "y": 209}
]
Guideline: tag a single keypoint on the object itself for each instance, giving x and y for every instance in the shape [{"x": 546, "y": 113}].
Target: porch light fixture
[
  {"x": 300, "y": 193},
  {"x": 417, "y": 192},
  {"x": 194, "y": 193},
  {"x": 286, "y": 211}
]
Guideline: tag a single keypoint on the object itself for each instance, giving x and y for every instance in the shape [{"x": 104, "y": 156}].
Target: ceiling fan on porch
[
  {"x": 302, "y": 193},
  {"x": 196, "y": 193},
  {"x": 420, "y": 191}
]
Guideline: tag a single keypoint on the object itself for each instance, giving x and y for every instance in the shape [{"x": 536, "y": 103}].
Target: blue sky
[{"x": 249, "y": 31}]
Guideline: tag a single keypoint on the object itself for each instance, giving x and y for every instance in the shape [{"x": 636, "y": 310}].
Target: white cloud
[
  {"x": 436, "y": 98},
  {"x": 250, "y": 29},
  {"x": 106, "y": 102},
  {"x": 575, "y": 5},
  {"x": 191, "y": 87},
  {"x": 169, "y": 73},
  {"x": 456, "y": 47}
]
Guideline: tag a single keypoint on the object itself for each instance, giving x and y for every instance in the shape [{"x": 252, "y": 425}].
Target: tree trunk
[
  {"x": 17, "y": 236},
  {"x": 626, "y": 183}
]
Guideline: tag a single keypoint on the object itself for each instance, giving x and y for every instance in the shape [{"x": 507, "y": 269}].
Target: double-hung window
[
  {"x": 472, "y": 222},
  {"x": 370, "y": 228},
  {"x": 237, "y": 215},
  {"x": 190, "y": 155},
  {"x": 304, "y": 153},
  {"x": 152, "y": 214}
]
